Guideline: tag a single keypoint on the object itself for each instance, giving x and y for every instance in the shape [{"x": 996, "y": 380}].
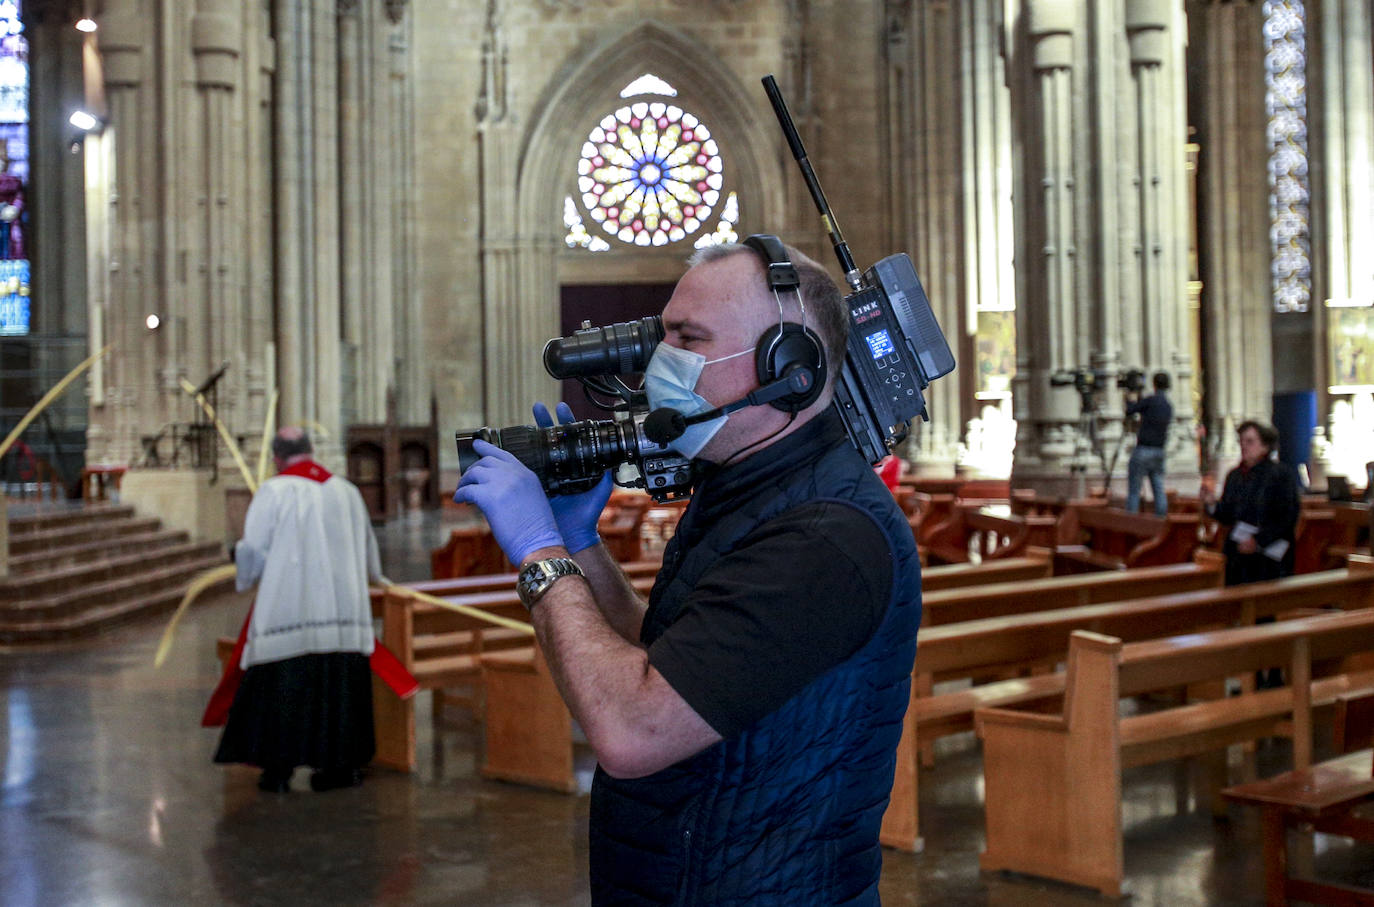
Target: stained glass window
[
  {"x": 15, "y": 312},
  {"x": 650, "y": 174},
  {"x": 1285, "y": 59}
]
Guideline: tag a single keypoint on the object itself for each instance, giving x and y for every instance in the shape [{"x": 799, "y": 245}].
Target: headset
[{"x": 787, "y": 348}]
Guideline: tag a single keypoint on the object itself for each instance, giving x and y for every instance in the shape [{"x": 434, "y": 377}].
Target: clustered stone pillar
[
  {"x": 1233, "y": 171},
  {"x": 1101, "y": 210}
]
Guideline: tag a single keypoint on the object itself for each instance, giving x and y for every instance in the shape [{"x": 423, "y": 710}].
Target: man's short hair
[
  {"x": 825, "y": 309},
  {"x": 1268, "y": 434},
  {"x": 288, "y": 444},
  {"x": 1161, "y": 381}
]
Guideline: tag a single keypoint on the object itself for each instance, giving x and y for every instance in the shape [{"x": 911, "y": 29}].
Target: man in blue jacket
[{"x": 746, "y": 718}]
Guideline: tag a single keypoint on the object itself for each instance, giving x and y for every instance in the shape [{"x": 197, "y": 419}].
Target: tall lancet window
[
  {"x": 1285, "y": 59},
  {"x": 14, "y": 172},
  {"x": 650, "y": 173}
]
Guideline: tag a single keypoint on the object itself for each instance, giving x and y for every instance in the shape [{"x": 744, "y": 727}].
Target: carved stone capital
[{"x": 396, "y": 10}]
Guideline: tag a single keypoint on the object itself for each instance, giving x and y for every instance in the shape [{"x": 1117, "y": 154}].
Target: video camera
[
  {"x": 1087, "y": 381},
  {"x": 895, "y": 349}
]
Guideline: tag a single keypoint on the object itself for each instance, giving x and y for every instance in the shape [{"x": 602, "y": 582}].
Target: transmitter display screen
[{"x": 880, "y": 344}]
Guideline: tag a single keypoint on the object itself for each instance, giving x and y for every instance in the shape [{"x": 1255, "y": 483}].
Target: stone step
[
  {"x": 53, "y": 540},
  {"x": 100, "y": 549},
  {"x": 57, "y": 582},
  {"x": 83, "y": 606},
  {"x": 113, "y": 612},
  {"x": 26, "y": 523}
]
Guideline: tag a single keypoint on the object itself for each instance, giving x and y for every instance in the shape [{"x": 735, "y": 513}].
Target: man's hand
[
  {"x": 513, "y": 501},
  {"x": 576, "y": 514}
]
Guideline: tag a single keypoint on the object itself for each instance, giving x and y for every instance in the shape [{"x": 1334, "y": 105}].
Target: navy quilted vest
[{"x": 788, "y": 811}]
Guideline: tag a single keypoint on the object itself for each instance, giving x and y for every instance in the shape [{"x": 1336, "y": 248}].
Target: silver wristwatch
[{"x": 536, "y": 577}]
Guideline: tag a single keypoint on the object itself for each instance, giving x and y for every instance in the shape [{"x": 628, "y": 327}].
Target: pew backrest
[{"x": 1000, "y": 599}]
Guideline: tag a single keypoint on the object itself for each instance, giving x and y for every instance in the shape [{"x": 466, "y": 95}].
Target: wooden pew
[
  {"x": 1317, "y": 799},
  {"x": 972, "y": 649},
  {"x": 469, "y": 551},
  {"x": 1035, "y": 565},
  {"x": 1000, "y": 599},
  {"x": 1059, "y": 772},
  {"x": 1322, "y": 798},
  {"x": 407, "y": 624},
  {"x": 1109, "y": 538},
  {"x": 975, "y": 528},
  {"x": 1350, "y": 532}
]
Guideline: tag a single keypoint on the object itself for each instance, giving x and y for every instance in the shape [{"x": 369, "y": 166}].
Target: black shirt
[
  {"x": 1156, "y": 412},
  {"x": 798, "y": 596}
]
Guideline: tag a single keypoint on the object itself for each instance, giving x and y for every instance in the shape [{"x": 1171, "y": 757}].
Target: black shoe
[
  {"x": 274, "y": 782},
  {"x": 333, "y": 779}
]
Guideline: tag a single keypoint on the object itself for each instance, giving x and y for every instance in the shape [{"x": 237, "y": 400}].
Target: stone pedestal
[{"x": 182, "y": 498}]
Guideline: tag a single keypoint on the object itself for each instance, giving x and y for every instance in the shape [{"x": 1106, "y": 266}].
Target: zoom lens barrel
[
  {"x": 567, "y": 458},
  {"x": 623, "y": 348}
]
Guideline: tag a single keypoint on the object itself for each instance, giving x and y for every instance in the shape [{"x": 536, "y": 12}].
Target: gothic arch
[{"x": 584, "y": 89}]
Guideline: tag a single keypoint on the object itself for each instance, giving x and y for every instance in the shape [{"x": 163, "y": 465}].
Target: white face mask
[{"x": 671, "y": 380}]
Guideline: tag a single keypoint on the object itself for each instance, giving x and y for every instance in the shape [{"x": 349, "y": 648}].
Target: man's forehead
[{"x": 716, "y": 293}]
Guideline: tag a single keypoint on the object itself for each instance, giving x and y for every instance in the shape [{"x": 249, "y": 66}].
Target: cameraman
[
  {"x": 1156, "y": 413},
  {"x": 746, "y": 720}
]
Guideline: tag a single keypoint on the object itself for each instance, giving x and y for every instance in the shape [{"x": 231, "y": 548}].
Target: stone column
[
  {"x": 1157, "y": 335},
  {"x": 413, "y": 391},
  {"x": 132, "y": 380},
  {"x": 309, "y": 328},
  {"x": 1101, "y": 209},
  {"x": 925, "y": 154},
  {"x": 215, "y": 330},
  {"x": 1233, "y": 176},
  {"x": 1051, "y": 329},
  {"x": 519, "y": 274},
  {"x": 355, "y": 184},
  {"x": 1341, "y": 105}
]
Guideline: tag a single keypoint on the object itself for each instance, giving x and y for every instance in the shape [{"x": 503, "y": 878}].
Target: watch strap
[{"x": 537, "y": 577}]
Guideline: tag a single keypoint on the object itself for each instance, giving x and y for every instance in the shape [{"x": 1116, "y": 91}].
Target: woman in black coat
[{"x": 1258, "y": 509}]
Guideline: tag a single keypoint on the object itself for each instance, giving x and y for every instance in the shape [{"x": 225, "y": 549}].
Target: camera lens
[{"x": 623, "y": 348}]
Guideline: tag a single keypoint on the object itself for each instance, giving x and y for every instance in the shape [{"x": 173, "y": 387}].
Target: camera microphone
[{"x": 665, "y": 425}]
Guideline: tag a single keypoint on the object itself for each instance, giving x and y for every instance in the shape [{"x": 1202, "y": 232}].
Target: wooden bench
[
  {"x": 1320, "y": 798},
  {"x": 972, "y": 649},
  {"x": 1000, "y": 599},
  {"x": 469, "y": 551},
  {"x": 443, "y": 648},
  {"x": 1109, "y": 538},
  {"x": 976, "y": 530},
  {"x": 1035, "y": 565},
  {"x": 1059, "y": 772}
]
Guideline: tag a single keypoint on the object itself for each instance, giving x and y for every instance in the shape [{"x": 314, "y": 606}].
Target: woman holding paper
[{"x": 1258, "y": 509}]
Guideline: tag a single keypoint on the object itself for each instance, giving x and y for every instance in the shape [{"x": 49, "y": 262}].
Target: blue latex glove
[
  {"x": 576, "y": 513},
  {"x": 513, "y": 501}
]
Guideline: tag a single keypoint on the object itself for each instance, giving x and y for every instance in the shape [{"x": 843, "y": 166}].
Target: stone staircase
[{"x": 75, "y": 571}]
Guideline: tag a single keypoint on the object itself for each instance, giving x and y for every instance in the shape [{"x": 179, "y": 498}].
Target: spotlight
[
  {"x": 152, "y": 321},
  {"x": 83, "y": 120},
  {"x": 87, "y": 25}
]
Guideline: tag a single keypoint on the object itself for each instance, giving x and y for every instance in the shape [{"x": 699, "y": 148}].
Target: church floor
[{"x": 109, "y": 798}]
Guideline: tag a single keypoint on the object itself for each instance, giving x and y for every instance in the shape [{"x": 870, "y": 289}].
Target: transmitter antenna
[{"x": 851, "y": 273}]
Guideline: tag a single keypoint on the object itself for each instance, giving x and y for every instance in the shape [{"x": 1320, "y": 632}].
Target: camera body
[{"x": 1088, "y": 381}]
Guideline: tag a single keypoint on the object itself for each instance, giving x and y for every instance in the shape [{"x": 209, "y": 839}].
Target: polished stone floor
[{"x": 109, "y": 798}]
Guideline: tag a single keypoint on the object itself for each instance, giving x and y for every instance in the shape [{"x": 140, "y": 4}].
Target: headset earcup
[{"x": 783, "y": 347}]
